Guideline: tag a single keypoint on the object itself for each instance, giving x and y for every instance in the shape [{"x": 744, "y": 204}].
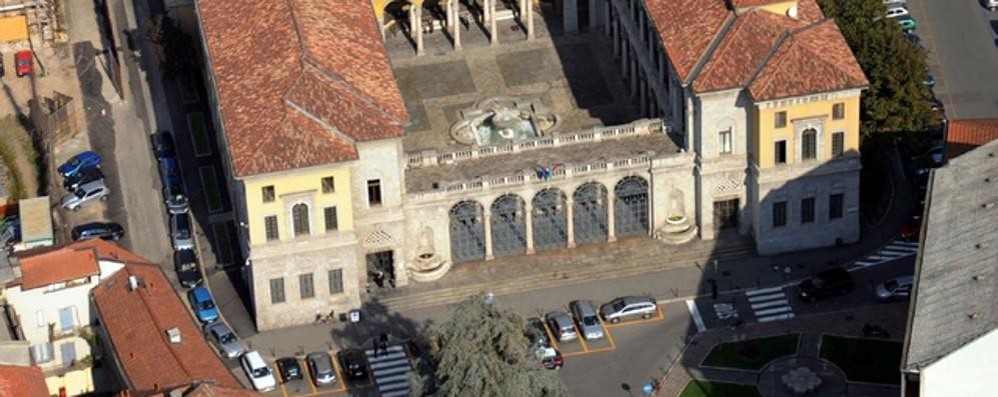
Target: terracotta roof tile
[
  {"x": 963, "y": 136},
  {"x": 261, "y": 53},
  {"x": 208, "y": 390},
  {"x": 687, "y": 27},
  {"x": 755, "y": 3},
  {"x": 48, "y": 265},
  {"x": 136, "y": 323},
  {"x": 17, "y": 381},
  {"x": 811, "y": 60}
]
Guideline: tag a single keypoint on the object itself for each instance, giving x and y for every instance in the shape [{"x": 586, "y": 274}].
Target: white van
[
  {"x": 895, "y": 11},
  {"x": 258, "y": 371},
  {"x": 991, "y": 4}
]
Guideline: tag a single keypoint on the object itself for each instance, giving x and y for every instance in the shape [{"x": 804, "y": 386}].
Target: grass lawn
[
  {"x": 753, "y": 353},
  {"x": 864, "y": 360},
  {"x": 212, "y": 196},
  {"x": 701, "y": 388},
  {"x": 223, "y": 249},
  {"x": 199, "y": 134}
]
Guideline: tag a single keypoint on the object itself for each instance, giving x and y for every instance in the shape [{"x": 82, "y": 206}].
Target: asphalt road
[{"x": 962, "y": 44}]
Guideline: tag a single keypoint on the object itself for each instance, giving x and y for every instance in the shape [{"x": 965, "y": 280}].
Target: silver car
[
  {"x": 586, "y": 318},
  {"x": 86, "y": 193},
  {"x": 628, "y": 307},
  {"x": 895, "y": 288},
  {"x": 180, "y": 232},
  {"x": 228, "y": 343},
  {"x": 561, "y": 325},
  {"x": 320, "y": 366}
]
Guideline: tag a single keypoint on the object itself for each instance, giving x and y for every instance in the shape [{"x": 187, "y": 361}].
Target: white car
[
  {"x": 891, "y": 2},
  {"x": 258, "y": 371},
  {"x": 896, "y": 11}
]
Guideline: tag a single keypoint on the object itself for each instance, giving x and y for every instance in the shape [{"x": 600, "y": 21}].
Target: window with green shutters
[
  {"x": 277, "y": 290},
  {"x": 305, "y": 286},
  {"x": 336, "y": 281}
]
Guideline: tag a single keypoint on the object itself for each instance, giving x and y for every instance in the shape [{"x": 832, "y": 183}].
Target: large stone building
[{"x": 382, "y": 144}]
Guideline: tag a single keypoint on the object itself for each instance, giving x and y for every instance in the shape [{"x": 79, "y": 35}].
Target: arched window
[
  {"x": 809, "y": 144},
  {"x": 299, "y": 217}
]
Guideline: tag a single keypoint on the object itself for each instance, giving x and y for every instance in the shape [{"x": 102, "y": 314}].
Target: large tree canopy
[
  {"x": 483, "y": 351},
  {"x": 896, "y": 98}
]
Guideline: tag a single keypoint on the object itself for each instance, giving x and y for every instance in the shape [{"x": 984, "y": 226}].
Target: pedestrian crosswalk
[
  {"x": 894, "y": 250},
  {"x": 770, "y": 304},
  {"x": 390, "y": 369}
]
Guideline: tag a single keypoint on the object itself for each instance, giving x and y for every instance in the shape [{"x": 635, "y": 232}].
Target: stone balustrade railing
[{"x": 431, "y": 157}]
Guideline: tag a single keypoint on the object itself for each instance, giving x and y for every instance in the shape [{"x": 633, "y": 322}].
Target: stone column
[
  {"x": 485, "y": 11},
  {"x": 593, "y": 15},
  {"x": 611, "y": 224},
  {"x": 419, "y": 28},
  {"x": 606, "y": 17},
  {"x": 570, "y": 15},
  {"x": 529, "y": 208},
  {"x": 571, "y": 222},
  {"x": 455, "y": 7},
  {"x": 488, "y": 236},
  {"x": 530, "y": 19},
  {"x": 492, "y": 18},
  {"x": 413, "y": 27}
]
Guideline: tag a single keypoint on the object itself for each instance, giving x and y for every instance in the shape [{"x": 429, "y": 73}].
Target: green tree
[
  {"x": 482, "y": 351},
  {"x": 896, "y": 98}
]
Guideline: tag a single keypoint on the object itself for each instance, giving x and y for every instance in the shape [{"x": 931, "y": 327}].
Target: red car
[
  {"x": 24, "y": 63},
  {"x": 910, "y": 230}
]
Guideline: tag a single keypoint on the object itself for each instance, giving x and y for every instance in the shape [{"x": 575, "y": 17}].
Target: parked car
[
  {"x": 628, "y": 307},
  {"x": 889, "y": 2},
  {"x": 258, "y": 371},
  {"x": 24, "y": 63},
  {"x": 897, "y": 10},
  {"x": 586, "y": 319},
  {"x": 162, "y": 144},
  {"x": 10, "y": 232},
  {"x": 929, "y": 81},
  {"x": 101, "y": 230},
  {"x": 906, "y": 22},
  {"x": 186, "y": 264},
  {"x": 910, "y": 230},
  {"x": 169, "y": 171},
  {"x": 320, "y": 366},
  {"x": 289, "y": 368},
  {"x": 836, "y": 281},
  {"x": 79, "y": 163},
  {"x": 540, "y": 341},
  {"x": 228, "y": 343},
  {"x": 204, "y": 306},
  {"x": 937, "y": 105},
  {"x": 937, "y": 155},
  {"x": 180, "y": 232},
  {"x": 86, "y": 193},
  {"x": 561, "y": 325},
  {"x": 991, "y": 5},
  {"x": 353, "y": 362},
  {"x": 175, "y": 199},
  {"x": 74, "y": 181},
  {"x": 895, "y": 288}
]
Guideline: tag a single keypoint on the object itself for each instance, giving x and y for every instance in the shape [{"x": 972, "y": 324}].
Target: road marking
[
  {"x": 695, "y": 313},
  {"x": 760, "y": 298},
  {"x": 278, "y": 372},
  {"x": 582, "y": 338},
  {"x": 766, "y": 312},
  {"x": 753, "y": 292},
  {"x": 770, "y": 304},
  {"x": 550, "y": 334},
  {"x": 775, "y": 317},
  {"x": 339, "y": 372},
  {"x": 607, "y": 333},
  {"x": 308, "y": 374}
]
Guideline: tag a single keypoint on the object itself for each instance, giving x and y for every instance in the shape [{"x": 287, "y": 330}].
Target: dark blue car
[
  {"x": 80, "y": 163},
  {"x": 169, "y": 170},
  {"x": 204, "y": 306}
]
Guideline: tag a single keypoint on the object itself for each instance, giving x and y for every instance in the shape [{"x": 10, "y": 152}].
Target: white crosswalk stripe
[
  {"x": 894, "y": 250},
  {"x": 390, "y": 370},
  {"x": 770, "y": 304}
]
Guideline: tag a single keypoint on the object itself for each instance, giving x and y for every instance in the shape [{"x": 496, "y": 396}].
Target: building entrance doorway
[
  {"x": 381, "y": 268},
  {"x": 725, "y": 214}
]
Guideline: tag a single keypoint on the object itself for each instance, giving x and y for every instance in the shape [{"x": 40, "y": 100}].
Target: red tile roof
[
  {"x": 742, "y": 50},
  {"x": 17, "y": 381},
  {"x": 687, "y": 27},
  {"x": 48, "y": 265},
  {"x": 755, "y": 3},
  {"x": 963, "y": 136},
  {"x": 811, "y": 60},
  {"x": 276, "y": 62},
  {"x": 136, "y": 323}
]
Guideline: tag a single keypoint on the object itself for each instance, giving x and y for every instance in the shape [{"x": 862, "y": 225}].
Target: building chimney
[
  {"x": 174, "y": 334},
  {"x": 133, "y": 283}
]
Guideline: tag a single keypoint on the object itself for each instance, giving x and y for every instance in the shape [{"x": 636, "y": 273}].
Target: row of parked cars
[
  {"x": 83, "y": 179},
  {"x": 837, "y": 281},
  {"x": 318, "y": 364}
]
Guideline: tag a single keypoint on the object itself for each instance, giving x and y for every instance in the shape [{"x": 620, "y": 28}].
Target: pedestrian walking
[
  {"x": 375, "y": 343},
  {"x": 384, "y": 342}
]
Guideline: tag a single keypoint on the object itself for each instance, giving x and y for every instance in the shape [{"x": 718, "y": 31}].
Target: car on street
[
  {"x": 101, "y": 230},
  {"x": 228, "y": 343},
  {"x": 180, "y": 232},
  {"x": 910, "y": 230},
  {"x": 289, "y": 368},
  {"x": 890, "y": 2},
  {"x": 907, "y": 23},
  {"x": 353, "y": 362},
  {"x": 74, "y": 181},
  {"x": 10, "y": 232},
  {"x": 169, "y": 171},
  {"x": 895, "y": 289},
  {"x": 79, "y": 163},
  {"x": 186, "y": 264},
  {"x": 560, "y": 324},
  {"x": 175, "y": 199},
  {"x": 258, "y": 371},
  {"x": 541, "y": 343},
  {"x": 991, "y": 5},
  {"x": 162, "y": 144},
  {"x": 85, "y": 194},
  {"x": 897, "y": 10},
  {"x": 203, "y": 305},
  {"x": 835, "y": 281},
  {"x": 320, "y": 366},
  {"x": 628, "y": 307},
  {"x": 24, "y": 63},
  {"x": 586, "y": 319},
  {"x": 937, "y": 105},
  {"x": 929, "y": 81}
]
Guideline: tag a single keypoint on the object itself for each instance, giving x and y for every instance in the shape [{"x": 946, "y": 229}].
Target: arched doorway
[
  {"x": 589, "y": 213},
  {"x": 630, "y": 209},
  {"x": 509, "y": 226},
  {"x": 550, "y": 220},
  {"x": 299, "y": 219},
  {"x": 467, "y": 232}
]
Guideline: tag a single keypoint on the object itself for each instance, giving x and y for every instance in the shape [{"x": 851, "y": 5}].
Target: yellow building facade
[
  {"x": 766, "y": 131},
  {"x": 277, "y": 195}
]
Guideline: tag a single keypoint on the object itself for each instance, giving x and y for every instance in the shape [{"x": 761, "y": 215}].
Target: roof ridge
[
  {"x": 309, "y": 115},
  {"x": 335, "y": 78},
  {"x": 784, "y": 37},
  {"x": 715, "y": 42}
]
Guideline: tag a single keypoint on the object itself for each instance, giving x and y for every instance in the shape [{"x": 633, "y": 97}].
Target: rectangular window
[
  {"x": 780, "y": 214},
  {"x": 835, "y": 206},
  {"x": 270, "y": 225},
  {"x": 268, "y": 193},
  {"x": 40, "y": 319},
  {"x": 305, "y": 286},
  {"x": 807, "y": 210},
  {"x": 809, "y": 144},
  {"x": 277, "y": 290},
  {"x": 838, "y": 143},
  {"x": 780, "y": 119},
  {"x": 336, "y": 281},
  {"x": 780, "y": 152},
  {"x": 374, "y": 192},
  {"x": 725, "y": 137},
  {"x": 42, "y": 352},
  {"x": 67, "y": 319},
  {"x": 331, "y": 222},
  {"x": 328, "y": 185},
  {"x": 838, "y": 111}
]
